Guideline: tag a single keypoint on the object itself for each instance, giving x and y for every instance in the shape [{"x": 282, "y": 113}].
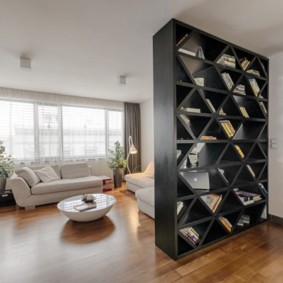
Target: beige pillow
[
  {"x": 47, "y": 174},
  {"x": 150, "y": 170},
  {"x": 28, "y": 175},
  {"x": 75, "y": 170}
]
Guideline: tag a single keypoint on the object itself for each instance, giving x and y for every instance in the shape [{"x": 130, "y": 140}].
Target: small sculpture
[{"x": 88, "y": 198}]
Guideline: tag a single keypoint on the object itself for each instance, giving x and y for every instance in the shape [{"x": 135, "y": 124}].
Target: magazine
[{"x": 85, "y": 206}]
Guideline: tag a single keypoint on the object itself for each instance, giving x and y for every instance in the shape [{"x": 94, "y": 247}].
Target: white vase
[{"x": 2, "y": 184}]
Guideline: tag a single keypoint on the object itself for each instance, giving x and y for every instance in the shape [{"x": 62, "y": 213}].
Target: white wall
[
  {"x": 276, "y": 132},
  {"x": 147, "y": 139}
]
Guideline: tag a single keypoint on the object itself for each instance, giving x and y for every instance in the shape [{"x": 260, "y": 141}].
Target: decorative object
[
  {"x": 200, "y": 53},
  {"x": 6, "y": 166},
  {"x": 132, "y": 150},
  {"x": 88, "y": 198},
  {"x": 117, "y": 162}
]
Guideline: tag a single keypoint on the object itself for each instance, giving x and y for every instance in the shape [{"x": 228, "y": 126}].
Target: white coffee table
[{"x": 103, "y": 204}]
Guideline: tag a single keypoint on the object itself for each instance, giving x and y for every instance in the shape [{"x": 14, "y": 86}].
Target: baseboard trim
[{"x": 276, "y": 219}]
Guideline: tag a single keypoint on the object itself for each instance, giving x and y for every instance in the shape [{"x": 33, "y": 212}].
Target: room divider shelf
[{"x": 211, "y": 143}]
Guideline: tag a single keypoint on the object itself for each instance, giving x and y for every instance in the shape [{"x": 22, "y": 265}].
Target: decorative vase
[
  {"x": 2, "y": 184},
  {"x": 118, "y": 177}
]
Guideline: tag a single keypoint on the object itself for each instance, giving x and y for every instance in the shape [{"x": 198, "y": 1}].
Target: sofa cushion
[
  {"x": 75, "y": 170},
  {"x": 56, "y": 168},
  {"x": 47, "y": 174},
  {"x": 28, "y": 175},
  {"x": 146, "y": 195},
  {"x": 64, "y": 185},
  {"x": 140, "y": 179}
]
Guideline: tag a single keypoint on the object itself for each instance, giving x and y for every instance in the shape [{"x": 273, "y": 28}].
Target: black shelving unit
[{"x": 211, "y": 125}]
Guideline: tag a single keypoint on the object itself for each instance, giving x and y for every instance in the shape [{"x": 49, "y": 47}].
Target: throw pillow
[
  {"x": 47, "y": 174},
  {"x": 150, "y": 170},
  {"x": 28, "y": 175}
]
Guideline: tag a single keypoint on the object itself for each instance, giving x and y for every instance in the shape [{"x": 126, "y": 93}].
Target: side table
[
  {"x": 7, "y": 198},
  {"x": 105, "y": 180}
]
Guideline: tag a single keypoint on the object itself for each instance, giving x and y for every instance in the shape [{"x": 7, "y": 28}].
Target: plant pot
[
  {"x": 118, "y": 177},
  {"x": 2, "y": 184}
]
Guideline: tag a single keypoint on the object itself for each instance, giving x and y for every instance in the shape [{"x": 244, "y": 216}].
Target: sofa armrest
[{"x": 20, "y": 189}]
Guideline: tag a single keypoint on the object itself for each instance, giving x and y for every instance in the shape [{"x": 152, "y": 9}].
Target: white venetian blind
[{"x": 115, "y": 128}]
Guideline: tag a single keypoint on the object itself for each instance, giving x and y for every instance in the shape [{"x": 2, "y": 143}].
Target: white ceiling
[{"x": 80, "y": 47}]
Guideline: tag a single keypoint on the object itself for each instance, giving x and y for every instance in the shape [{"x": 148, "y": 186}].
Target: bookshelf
[{"x": 211, "y": 120}]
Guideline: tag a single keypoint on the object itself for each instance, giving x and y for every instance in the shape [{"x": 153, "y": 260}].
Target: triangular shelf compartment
[
  {"x": 198, "y": 211},
  {"x": 181, "y": 74},
  {"x": 230, "y": 155},
  {"x": 244, "y": 82},
  {"x": 257, "y": 169},
  {"x": 183, "y": 189},
  {"x": 215, "y": 180},
  {"x": 194, "y": 102},
  {"x": 215, "y": 130},
  {"x": 231, "y": 202},
  {"x": 230, "y": 107},
  {"x": 232, "y": 218},
  {"x": 216, "y": 232},
  {"x": 243, "y": 177},
  {"x": 196, "y": 40},
  {"x": 263, "y": 91},
  {"x": 182, "y": 35},
  {"x": 263, "y": 135},
  {"x": 249, "y": 130},
  {"x": 256, "y": 154},
  {"x": 215, "y": 98},
  {"x": 242, "y": 56},
  {"x": 243, "y": 148},
  {"x": 258, "y": 67},
  {"x": 254, "y": 212},
  {"x": 264, "y": 174},
  {"x": 199, "y": 69},
  {"x": 182, "y": 92},
  {"x": 182, "y": 153},
  {"x": 183, "y": 133},
  {"x": 252, "y": 107},
  {"x": 228, "y": 52},
  {"x": 264, "y": 147},
  {"x": 263, "y": 188},
  {"x": 186, "y": 205},
  {"x": 264, "y": 65},
  {"x": 184, "y": 246},
  {"x": 229, "y": 173}
]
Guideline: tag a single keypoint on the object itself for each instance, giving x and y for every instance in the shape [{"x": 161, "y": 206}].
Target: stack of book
[
  {"x": 244, "y": 112},
  {"x": 188, "y": 52},
  {"x": 208, "y": 138},
  {"x": 254, "y": 86},
  {"x": 251, "y": 170},
  {"x": 254, "y": 72},
  {"x": 244, "y": 220},
  {"x": 240, "y": 89},
  {"x": 263, "y": 108},
  {"x": 221, "y": 112},
  {"x": 191, "y": 234},
  {"x": 180, "y": 205},
  {"x": 228, "y": 80},
  {"x": 210, "y": 105},
  {"x": 227, "y": 60},
  {"x": 245, "y": 63},
  {"x": 199, "y": 81},
  {"x": 247, "y": 197},
  {"x": 239, "y": 150},
  {"x": 190, "y": 109},
  {"x": 226, "y": 223},
  {"x": 228, "y": 128},
  {"x": 212, "y": 201}
]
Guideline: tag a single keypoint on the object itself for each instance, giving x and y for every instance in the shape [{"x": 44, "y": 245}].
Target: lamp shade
[{"x": 133, "y": 150}]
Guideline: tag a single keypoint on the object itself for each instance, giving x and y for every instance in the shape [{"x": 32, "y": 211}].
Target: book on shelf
[
  {"x": 208, "y": 138},
  {"x": 180, "y": 205},
  {"x": 228, "y": 80},
  {"x": 263, "y": 108},
  {"x": 210, "y": 105},
  {"x": 239, "y": 150},
  {"x": 179, "y": 152},
  {"x": 244, "y": 112},
  {"x": 200, "y": 53},
  {"x": 254, "y": 86},
  {"x": 221, "y": 112},
  {"x": 240, "y": 89},
  {"x": 228, "y": 128},
  {"x": 251, "y": 170},
  {"x": 222, "y": 172},
  {"x": 247, "y": 197},
  {"x": 85, "y": 206},
  {"x": 263, "y": 189},
  {"x": 190, "y": 109},
  {"x": 199, "y": 81},
  {"x": 227, "y": 60},
  {"x": 226, "y": 223},
  {"x": 185, "y": 119},
  {"x": 188, "y": 52},
  {"x": 244, "y": 220},
  {"x": 182, "y": 39},
  {"x": 245, "y": 63},
  {"x": 191, "y": 234},
  {"x": 254, "y": 72},
  {"x": 212, "y": 201}
]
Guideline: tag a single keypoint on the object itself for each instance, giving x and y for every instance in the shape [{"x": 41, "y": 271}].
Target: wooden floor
[{"x": 41, "y": 245}]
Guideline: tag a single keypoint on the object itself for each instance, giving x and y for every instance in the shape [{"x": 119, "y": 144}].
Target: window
[{"x": 37, "y": 132}]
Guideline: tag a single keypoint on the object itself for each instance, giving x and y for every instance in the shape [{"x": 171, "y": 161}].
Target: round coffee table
[{"x": 103, "y": 204}]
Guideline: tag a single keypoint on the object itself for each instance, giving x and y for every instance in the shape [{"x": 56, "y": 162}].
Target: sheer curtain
[{"x": 47, "y": 128}]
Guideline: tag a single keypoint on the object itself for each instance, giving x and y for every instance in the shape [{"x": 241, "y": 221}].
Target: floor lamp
[{"x": 132, "y": 150}]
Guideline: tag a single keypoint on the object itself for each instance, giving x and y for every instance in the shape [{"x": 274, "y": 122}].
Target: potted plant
[
  {"x": 117, "y": 162},
  {"x": 6, "y": 166}
]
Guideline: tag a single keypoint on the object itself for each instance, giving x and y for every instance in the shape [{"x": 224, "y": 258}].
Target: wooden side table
[
  {"x": 105, "y": 180},
  {"x": 7, "y": 198}
]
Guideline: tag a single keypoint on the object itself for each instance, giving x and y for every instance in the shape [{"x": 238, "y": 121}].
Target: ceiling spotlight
[
  {"x": 122, "y": 80},
  {"x": 25, "y": 62}
]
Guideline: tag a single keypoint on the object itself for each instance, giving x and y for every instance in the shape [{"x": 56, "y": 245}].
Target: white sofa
[
  {"x": 71, "y": 179},
  {"x": 143, "y": 186}
]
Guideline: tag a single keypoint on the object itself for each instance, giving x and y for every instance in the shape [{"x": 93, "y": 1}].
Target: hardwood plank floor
[{"x": 41, "y": 245}]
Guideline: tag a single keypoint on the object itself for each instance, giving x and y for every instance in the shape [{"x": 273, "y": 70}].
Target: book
[
  {"x": 191, "y": 234},
  {"x": 245, "y": 62},
  {"x": 212, "y": 201},
  {"x": 222, "y": 172},
  {"x": 85, "y": 206},
  {"x": 239, "y": 150},
  {"x": 226, "y": 223},
  {"x": 189, "y": 109},
  {"x": 251, "y": 170},
  {"x": 208, "y": 138},
  {"x": 210, "y": 105},
  {"x": 188, "y": 52},
  {"x": 221, "y": 112},
  {"x": 244, "y": 220},
  {"x": 182, "y": 39},
  {"x": 263, "y": 108},
  {"x": 244, "y": 112},
  {"x": 247, "y": 197},
  {"x": 228, "y": 80},
  {"x": 240, "y": 89},
  {"x": 228, "y": 127},
  {"x": 254, "y": 86},
  {"x": 227, "y": 60},
  {"x": 254, "y": 72},
  {"x": 180, "y": 205},
  {"x": 199, "y": 81}
]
